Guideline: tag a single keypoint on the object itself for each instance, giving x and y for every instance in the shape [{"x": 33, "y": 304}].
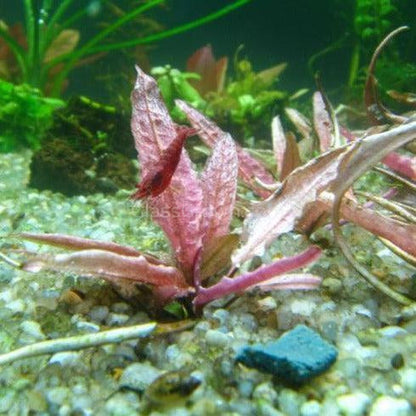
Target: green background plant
[
  {"x": 44, "y": 22},
  {"x": 25, "y": 115}
]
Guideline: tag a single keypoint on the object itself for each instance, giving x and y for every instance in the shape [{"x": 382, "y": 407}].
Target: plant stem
[
  {"x": 227, "y": 286},
  {"x": 78, "y": 342}
]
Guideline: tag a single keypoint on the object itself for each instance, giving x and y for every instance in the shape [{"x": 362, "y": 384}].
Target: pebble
[
  {"x": 16, "y": 306},
  {"x": 58, "y": 395},
  {"x": 310, "y": 408},
  {"x": 222, "y": 316},
  {"x": 408, "y": 379},
  {"x": 99, "y": 314},
  {"x": 122, "y": 405},
  {"x": 354, "y": 404},
  {"x": 116, "y": 319},
  {"x": 391, "y": 406},
  {"x": 120, "y": 307},
  {"x": 33, "y": 330},
  {"x": 86, "y": 326},
  {"x": 138, "y": 376},
  {"x": 217, "y": 338},
  {"x": 65, "y": 358},
  {"x": 265, "y": 391}
]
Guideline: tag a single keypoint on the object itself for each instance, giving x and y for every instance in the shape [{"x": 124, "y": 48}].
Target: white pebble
[
  {"x": 33, "y": 329},
  {"x": 65, "y": 358},
  {"x": 387, "y": 405},
  {"x": 302, "y": 307},
  {"x": 310, "y": 408},
  {"x": 353, "y": 404},
  {"x": 16, "y": 306},
  {"x": 217, "y": 338},
  {"x": 408, "y": 379},
  {"x": 114, "y": 319}
]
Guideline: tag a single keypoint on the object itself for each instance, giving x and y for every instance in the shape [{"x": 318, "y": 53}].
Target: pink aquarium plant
[{"x": 194, "y": 210}]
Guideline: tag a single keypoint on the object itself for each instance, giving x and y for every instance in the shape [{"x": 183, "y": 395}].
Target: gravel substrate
[{"x": 375, "y": 373}]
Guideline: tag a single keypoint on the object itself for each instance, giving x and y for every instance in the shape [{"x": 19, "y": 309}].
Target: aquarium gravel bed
[{"x": 374, "y": 374}]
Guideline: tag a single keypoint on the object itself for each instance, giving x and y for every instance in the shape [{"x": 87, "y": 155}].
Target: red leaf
[
  {"x": 219, "y": 182},
  {"x": 249, "y": 168},
  {"x": 285, "y": 149},
  {"x": 178, "y": 209},
  {"x": 212, "y": 72},
  {"x": 322, "y": 122},
  {"x": 281, "y": 212},
  {"x": 113, "y": 267}
]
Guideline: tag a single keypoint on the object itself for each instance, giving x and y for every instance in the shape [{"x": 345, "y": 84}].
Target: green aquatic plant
[
  {"x": 364, "y": 23},
  {"x": 244, "y": 104},
  {"x": 25, "y": 115},
  {"x": 48, "y": 26}
]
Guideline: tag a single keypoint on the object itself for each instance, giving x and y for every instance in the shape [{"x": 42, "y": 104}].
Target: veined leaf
[
  {"x": 178, "y": 209},
  {"x": 280, "y": 213},
  {"x": 219, "y": 182},
  {"x": 210, "y": 133}
]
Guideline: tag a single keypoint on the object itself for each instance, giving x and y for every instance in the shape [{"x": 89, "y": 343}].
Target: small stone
[
  {"x": 310, "y": 408},
  {"x": 120, "y": 307},
  {"x": 221, "y": 315},
  {"x": 387, "y": 405},
  {"x": 122, "y": 404},
  {"x": 65, "y": 358},
  {"x": 302, "y": 307},
  {"x": 267, "y": 304},
  {"x": 138, "y": 376},
  {"x": 16, "y": 306},
  {"x": 99, "y": 314},
  {"x": 265, "y": 391},
  {"x": 290, "y": 401},
  {"x": 217, "y": 338},
  {"x": 333, "y": 285},
  {"x": 87, "y": 326},
  {"x": 117, "y": 319},
  {"x": 33, "y": 330},
  {"x": 58, "y": 395},
  {"x": 408, "y": 379},
  {"x": 295, "y": 357},
  {"x": 354, "y": 404},
  {"x": 392, "y": 331}
]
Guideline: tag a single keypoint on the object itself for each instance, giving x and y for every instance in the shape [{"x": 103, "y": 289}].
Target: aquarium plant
[
  {"x": 25, "y": 115},
  {"x": 364, "y": 23},
  {"x": 243, "y": 103},
  {"x": 49, "y": 42},
  {"x": 195, "y": 210}
]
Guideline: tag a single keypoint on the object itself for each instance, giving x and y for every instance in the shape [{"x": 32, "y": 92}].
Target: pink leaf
[
  {"x": 249, "y": 168},
  {"x": 405, "y": 165},
  {"x": 301, "y": 123},
  {"x": 242, "y": 282},
  {"x": 178, "y": 209},
  {"x": 285, "y": 149},
  {"x": 400, "y": 234},
  {"x": 219, "y": 182},
  {"x": 212, "y": 72},
  {"x": 322, "y": 122},
  {"x": 70, "y": 242},
  {"x": 112, "y": 267},
  {"x": 280, "y": 213},
  {"x": 289, "y": 282}
]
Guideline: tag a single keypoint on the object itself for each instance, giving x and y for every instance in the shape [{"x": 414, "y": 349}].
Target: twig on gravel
[{"x": 79, "y": 342}]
